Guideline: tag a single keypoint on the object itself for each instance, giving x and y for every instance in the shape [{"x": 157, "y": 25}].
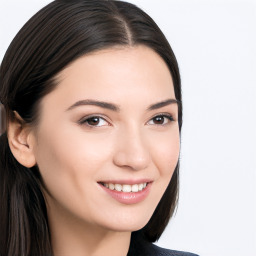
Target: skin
[{"x": 127, "y": 144}]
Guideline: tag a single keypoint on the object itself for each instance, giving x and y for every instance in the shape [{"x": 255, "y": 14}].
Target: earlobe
[{"x": 20, "y": 142}]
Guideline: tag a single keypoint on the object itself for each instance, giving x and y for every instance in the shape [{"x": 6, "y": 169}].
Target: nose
[{"x": 132, "y": 151}]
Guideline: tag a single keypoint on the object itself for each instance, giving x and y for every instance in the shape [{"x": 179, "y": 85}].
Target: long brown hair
[{"x": 57, "y": 35}]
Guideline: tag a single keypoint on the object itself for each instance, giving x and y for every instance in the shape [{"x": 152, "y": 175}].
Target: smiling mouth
[
  {"x": 126, "y": 188},
  {"x": 126, "y": 193}
]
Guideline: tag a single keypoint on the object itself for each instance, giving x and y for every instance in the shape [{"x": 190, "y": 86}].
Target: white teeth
[
  {"x": 118, "y": 187},
  {"x": 135, "y": 188},
  {"x": 125, "y": 187},
  {"x": 141, "y": 186},
  {"x": 111, "y": 186}
]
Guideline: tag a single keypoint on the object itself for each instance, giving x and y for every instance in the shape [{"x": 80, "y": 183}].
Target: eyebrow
[
  {"x": 163, "y": 104},
  {"x": 116, "y": 108},
  {"x": 101, "y": 104}
]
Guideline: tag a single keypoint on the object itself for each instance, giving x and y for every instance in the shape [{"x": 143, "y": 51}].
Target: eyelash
[
  {"x": 87, "y": 119},
  {"x": 168, "y": 116}
]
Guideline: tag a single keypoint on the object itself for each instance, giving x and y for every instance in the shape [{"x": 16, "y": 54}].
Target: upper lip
[{"x": 127, "y": 181}]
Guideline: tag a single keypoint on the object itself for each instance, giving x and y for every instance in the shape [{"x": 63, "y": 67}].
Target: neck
[{"x": 73, "y": 236}]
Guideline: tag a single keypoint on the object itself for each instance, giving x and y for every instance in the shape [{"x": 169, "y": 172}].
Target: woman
[{"x": 90, "y": 158}]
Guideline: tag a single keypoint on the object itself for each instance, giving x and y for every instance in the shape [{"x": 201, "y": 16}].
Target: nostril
[{"x": 132, "y": 160}]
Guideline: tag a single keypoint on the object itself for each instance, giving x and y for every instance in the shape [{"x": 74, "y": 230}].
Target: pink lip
[{"x": 130, "y": 197}]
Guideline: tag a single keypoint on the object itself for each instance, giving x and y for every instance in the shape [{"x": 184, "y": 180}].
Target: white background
[{"x": 214, "y": 42}]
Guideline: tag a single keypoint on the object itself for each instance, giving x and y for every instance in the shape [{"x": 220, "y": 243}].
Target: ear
[{"x": 21, "y": 141}]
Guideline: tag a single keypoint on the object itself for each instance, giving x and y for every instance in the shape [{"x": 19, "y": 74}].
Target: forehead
[{"x": 115, "y": 74}]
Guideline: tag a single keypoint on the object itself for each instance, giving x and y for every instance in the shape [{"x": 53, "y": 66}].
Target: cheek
[
  {"x": 69, "y": 159},
  {"x": 165, "y": 154},
  {"x": 165, "y": 157},
  {"x": 69, "y": 148}
]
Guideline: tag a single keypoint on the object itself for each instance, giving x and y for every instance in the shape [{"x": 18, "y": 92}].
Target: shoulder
[
  {"x": 158, "y": 251},
  {"x": 144, "y": 248},
  {"x": 139, "y": 246}
]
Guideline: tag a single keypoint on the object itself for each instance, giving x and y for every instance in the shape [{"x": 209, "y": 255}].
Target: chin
[
  {"x": 127, "y": 227},
  {"x": 127, "y": 223}
]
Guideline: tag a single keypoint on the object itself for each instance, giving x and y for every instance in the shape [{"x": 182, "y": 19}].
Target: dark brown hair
[{"x": 57, "y": 35}]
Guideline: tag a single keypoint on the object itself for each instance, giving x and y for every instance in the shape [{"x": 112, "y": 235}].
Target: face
[{"x": 109, "y": 129}]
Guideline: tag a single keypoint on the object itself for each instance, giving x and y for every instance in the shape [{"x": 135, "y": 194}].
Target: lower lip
[{"x": 128, "y": 197}]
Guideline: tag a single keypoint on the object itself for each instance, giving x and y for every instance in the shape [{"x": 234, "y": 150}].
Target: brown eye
[
  {"x": 93, "y": 121},
  {"x": 96, "y": 121},
  {"x": 161, "y": 120}
]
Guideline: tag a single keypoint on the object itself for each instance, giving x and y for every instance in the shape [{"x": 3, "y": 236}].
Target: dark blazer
[{"x": 144, "y": 248}]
